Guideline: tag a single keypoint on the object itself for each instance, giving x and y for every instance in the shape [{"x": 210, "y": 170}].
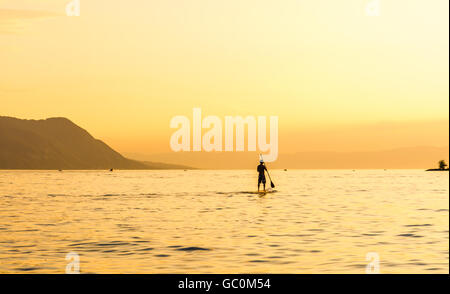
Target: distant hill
[
  {"x": 58, "y": 143},
  {"x": 402, "y": 158}
]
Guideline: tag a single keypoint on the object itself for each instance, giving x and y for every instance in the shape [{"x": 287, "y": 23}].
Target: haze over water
[{"x": 318, "y": 221}]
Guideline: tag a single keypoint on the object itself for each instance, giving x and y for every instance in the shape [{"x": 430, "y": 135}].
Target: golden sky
[{"x": 338, "y": 79}]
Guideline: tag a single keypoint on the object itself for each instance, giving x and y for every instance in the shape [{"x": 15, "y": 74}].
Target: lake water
[{"x": 318, "y": 221}]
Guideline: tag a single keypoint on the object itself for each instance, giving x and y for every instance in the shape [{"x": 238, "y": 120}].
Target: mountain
[
  {"x": 58, "y": 143},
  {"x": 401, "y": 158}
]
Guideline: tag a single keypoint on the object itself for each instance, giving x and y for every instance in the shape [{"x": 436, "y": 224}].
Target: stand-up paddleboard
[{"x": 260, "y": 192}]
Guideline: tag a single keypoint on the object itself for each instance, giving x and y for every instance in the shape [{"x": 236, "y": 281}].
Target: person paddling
[{"x": 261, "y": 177}]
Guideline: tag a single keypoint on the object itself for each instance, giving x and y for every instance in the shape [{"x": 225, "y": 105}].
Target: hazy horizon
[
  {"x": 422, "y": 157},
  {"x": 412, "y": 157}
]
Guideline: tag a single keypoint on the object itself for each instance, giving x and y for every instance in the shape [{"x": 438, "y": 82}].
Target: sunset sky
[{"x": 338, "y": 79}]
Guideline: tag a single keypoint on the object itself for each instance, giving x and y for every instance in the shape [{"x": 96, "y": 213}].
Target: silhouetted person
[{"x": 261, "y": 177}]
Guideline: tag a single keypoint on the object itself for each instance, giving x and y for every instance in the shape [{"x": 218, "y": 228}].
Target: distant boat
[
  {"x": 111, "y": 169},
  {"x": 437, "y": 169}
]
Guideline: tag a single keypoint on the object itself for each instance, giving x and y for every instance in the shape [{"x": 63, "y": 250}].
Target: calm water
[{"x": 205, "y": 222}]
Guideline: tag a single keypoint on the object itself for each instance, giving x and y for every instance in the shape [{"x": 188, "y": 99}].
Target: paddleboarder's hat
[{"x": 261, "y": 161}]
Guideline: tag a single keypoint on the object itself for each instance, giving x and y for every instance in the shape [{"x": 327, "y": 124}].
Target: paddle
[{"x": 271, "y": 183}]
